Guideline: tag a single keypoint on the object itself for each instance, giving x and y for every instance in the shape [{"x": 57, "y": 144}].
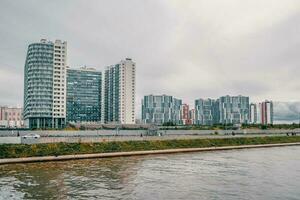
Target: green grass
[{"x": 56, "y": 149}]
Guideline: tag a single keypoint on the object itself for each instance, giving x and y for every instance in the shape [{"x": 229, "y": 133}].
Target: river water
[{"x": 264, "y": 173}]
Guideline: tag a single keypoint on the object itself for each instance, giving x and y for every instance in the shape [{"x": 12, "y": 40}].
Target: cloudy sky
[{"x": 190, "y": 49}]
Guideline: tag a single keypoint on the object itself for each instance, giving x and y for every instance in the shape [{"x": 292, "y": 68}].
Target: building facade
[
  {"x": 118, "y": 93},
  {"x": 83, "y": 95},
  {"x": 234, "y": 109},
  {"x": 206, "y": 111},
  {"x": 11, "y": 117},
  {"x": 266, "y": 112},
  {"x": 185, "y": 115},
  {"x": 253, "y": 114},
  {"x": 160, "y": 109},
  {"x": 192, "y": 116},
  {"x": 45, "y": 84}
]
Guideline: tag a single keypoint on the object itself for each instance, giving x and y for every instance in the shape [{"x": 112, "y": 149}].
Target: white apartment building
[
  {"x": 118, "y": 93},
  {"x": 45, "y": 84},
  {"x": 59, "y": 80}
]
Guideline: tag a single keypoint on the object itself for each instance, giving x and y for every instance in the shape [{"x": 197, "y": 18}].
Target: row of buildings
[
  {"x": 160, "y": 109},
  {"x": 55, "y": 94}
]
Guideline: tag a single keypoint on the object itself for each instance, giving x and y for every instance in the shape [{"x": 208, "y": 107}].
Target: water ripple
[{"x": 265, "y": 173}]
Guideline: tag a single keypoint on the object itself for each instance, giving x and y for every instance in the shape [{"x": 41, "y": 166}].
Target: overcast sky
[{"x": 186, "y": 48}]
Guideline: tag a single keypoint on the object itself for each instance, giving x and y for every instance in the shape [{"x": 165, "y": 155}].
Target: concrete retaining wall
[{"x": 10, "y": 140}]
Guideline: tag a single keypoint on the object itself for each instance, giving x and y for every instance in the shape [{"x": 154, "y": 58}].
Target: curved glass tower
[{"x": 44, "y": 85}]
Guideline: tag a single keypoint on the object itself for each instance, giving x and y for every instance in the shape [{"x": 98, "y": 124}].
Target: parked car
[{"x": 31, "y": 136}]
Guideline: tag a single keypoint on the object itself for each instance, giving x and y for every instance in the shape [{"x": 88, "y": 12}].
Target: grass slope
[{"x": 56, "y": 149}]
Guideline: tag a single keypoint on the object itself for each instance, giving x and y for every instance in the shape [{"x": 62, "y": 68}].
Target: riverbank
[
  {"x": 14, "y": 153},
  {"x": 134, "y": 153}
]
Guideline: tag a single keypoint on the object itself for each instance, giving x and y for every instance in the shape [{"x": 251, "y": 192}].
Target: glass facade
[
  {"x": 38, "y": 85},
  {"x": 234, "y": 109},
  {"x": 44, "y": 85},
  {"x": 161, "y": 109},
  {"x": 83, "y": 95},
  {"x": 111, "y": 94},
  {"x": 206, "y": 111}
]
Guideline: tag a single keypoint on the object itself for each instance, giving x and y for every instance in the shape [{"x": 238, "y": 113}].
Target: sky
[{"x": 189, "y": 49}]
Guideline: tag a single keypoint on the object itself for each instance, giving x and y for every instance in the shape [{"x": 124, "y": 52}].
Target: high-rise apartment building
[
  {"x": 160, "y": 109},
  {"x": 266, "y": 112},
  {"x": 234, "y": 109},
  {"x": 192, "y": 116},
  {"x": 83, "y": 95},
  {"x": 253, "y": 113},
  {"x": 118, "y": 93},
  {"x": 185, "y": 115},
  {"x": 206, "y": 111},
  {"x": 45, "y": 84}
]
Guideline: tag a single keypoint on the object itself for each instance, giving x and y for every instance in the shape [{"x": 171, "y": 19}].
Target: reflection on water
[{"x": 270, "y": 173}]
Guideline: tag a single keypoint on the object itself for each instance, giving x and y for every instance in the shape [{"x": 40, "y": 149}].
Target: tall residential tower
[
  {"x": 45, "y": 84},
  {"x": 266, "y": 112},
  {"x": 118, "y": 93}
]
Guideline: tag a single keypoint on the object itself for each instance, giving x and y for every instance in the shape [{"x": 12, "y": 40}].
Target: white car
[{"x": 31, "y": 136}]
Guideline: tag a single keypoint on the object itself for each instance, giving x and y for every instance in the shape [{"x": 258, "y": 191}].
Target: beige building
[{"x": 11, "y": 117}]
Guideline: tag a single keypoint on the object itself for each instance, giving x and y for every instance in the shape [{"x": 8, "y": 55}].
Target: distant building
[
  {"x": 11, "y": 117},
  {"x": 234, "y": 109},
  {"x": 45, "y": 84},
  {"x": 185, "y": 115},
  {"x": 206, "y": 111},
  {"x": 253, "y": 114},
  {"x": 83, "y": 95},
  {"x": 266, "y": 112},
  {"x": 192, "y": 116},
  {"x": 118, "y": 93},
  {"x": 160, "y": 109}
]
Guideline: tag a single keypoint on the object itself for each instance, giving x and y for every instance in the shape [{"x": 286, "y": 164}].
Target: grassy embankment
[{"x": 56, "y": 149}]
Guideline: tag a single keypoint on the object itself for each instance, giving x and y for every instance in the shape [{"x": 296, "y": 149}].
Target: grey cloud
[
  {"x": 287, "y": 111},
  {"x": 188, "y": 49}
]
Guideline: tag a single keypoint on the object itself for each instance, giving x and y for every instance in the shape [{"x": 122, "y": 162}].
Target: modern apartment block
[
  {"x": 160, "y": 109},
  {"x": 185, "y": 115},
  {"x": 206, "y": 111},
  {"x": 234, "y": 109},
  {"x": 45, "y": 84},
  {"x": 83, "y": 95},
  {"x": 11, "y": 117},
  {"x": 266, "y": 112},
  {"x": 192, "y": 116},
  {"x": 253, "y": 114},
  {"x": 118, "y": 93}
]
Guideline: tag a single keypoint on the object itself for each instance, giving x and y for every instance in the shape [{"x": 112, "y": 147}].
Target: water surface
[{"x": 264, "y": 173}]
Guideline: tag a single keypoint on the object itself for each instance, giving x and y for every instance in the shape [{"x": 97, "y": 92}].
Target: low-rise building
[{"x": 11, "y": 117}]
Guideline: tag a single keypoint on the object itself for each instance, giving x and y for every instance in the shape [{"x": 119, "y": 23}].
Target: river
[{"x": 263, "y": 173}]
